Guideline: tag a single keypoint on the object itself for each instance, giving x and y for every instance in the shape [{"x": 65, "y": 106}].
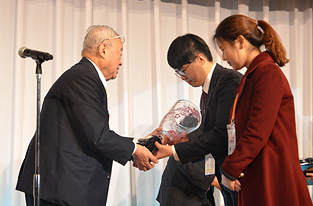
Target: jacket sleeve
[
  {"x": 195, "y": 172},
  {"x": 215, "y": 140},
  {"x": 85, "y": 101}
]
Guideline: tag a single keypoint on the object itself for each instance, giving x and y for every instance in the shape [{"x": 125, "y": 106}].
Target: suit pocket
[
  {"x": 79, "y": 162},
  {"x": 80, "y": 173},
  {"x": 78, "y": 155}
]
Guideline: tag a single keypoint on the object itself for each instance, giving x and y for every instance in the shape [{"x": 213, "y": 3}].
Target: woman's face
[{"x": 232, "y": 53}]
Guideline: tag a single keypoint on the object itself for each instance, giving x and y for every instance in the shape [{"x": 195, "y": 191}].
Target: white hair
[{"x": 95, "y": 35}]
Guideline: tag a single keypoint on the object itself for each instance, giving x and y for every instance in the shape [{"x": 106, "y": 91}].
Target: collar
[
  {"x": 260, "y": 59},
  {"x": 206, "y": 84},
  {"x": 104, "y": 82}
]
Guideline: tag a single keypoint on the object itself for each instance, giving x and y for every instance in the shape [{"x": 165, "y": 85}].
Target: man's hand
[
  {"x": 156, "y": 132},
  {"x": 143, "y": 157},
  {"x": 216, "y": 184},
  {"x": 167, "y": 140},
  {"x": 183, "y": 139},
  {"x": 163, "y": 151},
  {"x": 232, "y": 185}
]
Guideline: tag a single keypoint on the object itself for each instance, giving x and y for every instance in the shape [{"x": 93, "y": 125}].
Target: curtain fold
[{"x": 146, "y": 86}]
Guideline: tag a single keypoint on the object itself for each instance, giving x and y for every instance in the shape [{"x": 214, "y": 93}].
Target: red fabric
[
  {"x": 203, "y": 99},
  {"x": 267, "y": 149}
]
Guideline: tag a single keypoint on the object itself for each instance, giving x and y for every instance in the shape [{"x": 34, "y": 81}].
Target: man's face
[
  {"x": 114, "y": 59},
  {"x": 192, "y": 73}
]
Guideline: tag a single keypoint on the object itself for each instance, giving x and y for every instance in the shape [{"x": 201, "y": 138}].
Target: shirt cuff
[
  {"x": 175, "y": 154},
  {"x": 134, "y": 141}
]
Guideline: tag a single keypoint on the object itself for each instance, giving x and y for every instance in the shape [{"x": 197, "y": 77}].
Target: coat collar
[{"x": 261, "y": 58}]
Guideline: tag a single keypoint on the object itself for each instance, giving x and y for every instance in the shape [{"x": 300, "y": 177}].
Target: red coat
[{"x": 267, "y": 149}]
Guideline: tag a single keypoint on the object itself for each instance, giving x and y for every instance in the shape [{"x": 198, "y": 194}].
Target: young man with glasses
[
  {"x": 77, "y": 145},
  {"x": 188, "y": 178}
]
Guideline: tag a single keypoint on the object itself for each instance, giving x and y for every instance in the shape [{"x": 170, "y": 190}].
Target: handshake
[
  {"x": 153, "y": 147},
  {"x": 184, "y": 117},
  {"x": 144, "y": 157}
]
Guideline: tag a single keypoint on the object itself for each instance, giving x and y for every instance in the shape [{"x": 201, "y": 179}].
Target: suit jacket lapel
[{"x": 211, "y": 90}]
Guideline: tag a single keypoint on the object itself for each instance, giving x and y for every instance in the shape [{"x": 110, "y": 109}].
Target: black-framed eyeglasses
[
  {"x": 121, "y": 37},
  {"x": 179, "y": 73}
]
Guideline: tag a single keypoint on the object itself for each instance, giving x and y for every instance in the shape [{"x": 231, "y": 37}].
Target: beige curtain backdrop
[{"x": 146, "y": 86}]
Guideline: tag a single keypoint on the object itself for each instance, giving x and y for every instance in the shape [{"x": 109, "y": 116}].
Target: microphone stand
[
  {"x": 39, "y": 57},
  {"x": 36, "y": 177}
]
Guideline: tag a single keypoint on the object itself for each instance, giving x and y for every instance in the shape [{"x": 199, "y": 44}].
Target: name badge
[
  {"x": 231, "y": 131},
  {"x": 209, "y": 164}
]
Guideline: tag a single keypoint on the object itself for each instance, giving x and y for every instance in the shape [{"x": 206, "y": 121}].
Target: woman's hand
[{"x": 233, "y": 185}]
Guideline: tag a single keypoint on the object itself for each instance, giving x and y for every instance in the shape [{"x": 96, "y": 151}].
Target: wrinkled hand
[
  {"x": 230, "y": 184},
  {"x": 142, "y": 158},
  {"x": 163, "y": 151},
  {"x": 216, "y": 184}
]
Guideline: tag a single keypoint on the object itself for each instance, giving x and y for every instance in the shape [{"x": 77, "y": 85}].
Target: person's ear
[
  {"x": 202, "y": 58},
  {"x": 102, "y": 50},
  {"x": 241, "y": 41}
]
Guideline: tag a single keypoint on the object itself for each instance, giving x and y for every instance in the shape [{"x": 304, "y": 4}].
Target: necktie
[{"x": 203, "y": 99}]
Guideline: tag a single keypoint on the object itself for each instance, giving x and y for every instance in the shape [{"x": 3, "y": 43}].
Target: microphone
[{"x": 36, "y": 55}]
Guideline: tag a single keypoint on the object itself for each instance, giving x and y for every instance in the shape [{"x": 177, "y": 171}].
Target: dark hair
[
  {"x": 185, "y": 48},
  {"x": 256, "y": 32}
]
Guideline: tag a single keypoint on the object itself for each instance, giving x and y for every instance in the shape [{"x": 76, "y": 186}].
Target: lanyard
[
  {"x": 241, "y": 86},
  {"x": 234, "y": 109}
]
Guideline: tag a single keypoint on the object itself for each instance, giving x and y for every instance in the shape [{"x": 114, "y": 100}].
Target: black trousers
[{"x": 30, "y": 201}]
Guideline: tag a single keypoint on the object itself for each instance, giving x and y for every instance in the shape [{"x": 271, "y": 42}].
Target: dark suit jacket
[
  {"x": 188, "y": 182},
  {"x": 76, "y": 144}
]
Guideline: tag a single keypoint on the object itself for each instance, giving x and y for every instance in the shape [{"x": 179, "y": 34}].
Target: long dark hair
[{"x": 256, "y": 32}]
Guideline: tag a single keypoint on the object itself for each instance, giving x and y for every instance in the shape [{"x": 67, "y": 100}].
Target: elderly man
[{"x": 77, "y": 145}]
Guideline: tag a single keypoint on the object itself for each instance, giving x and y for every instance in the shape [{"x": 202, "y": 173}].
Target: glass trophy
[{"x": 184, "y": 116}]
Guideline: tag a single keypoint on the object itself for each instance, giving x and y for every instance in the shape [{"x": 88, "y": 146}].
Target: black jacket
[
  {"x": 185, "y": 182},
  {"x": 77, "y": 146}
]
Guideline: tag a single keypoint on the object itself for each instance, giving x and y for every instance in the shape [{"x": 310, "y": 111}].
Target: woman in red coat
[{"x": 264, "y": 166}]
